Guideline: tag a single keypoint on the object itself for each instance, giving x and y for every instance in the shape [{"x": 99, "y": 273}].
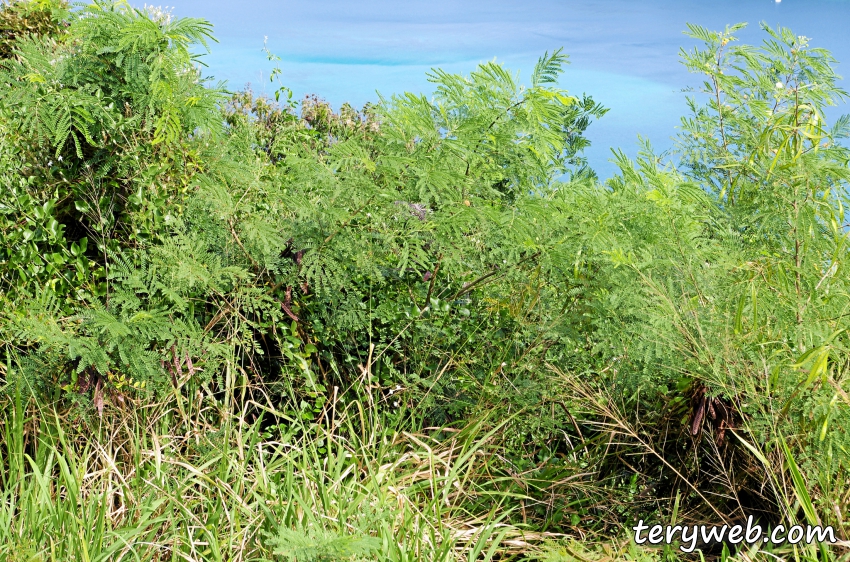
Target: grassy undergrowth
[
  {"x": 158, "y": 482},
  {"x": 150, "y": 484}
]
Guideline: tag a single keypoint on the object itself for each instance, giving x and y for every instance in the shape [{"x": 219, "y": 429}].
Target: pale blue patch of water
[{"x": 624, "y": 53}]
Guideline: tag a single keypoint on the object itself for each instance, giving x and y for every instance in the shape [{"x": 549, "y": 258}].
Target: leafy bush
[
  {"x": 96, "y": 126},
  {"x": 22, "y": 18},
  {"x": 723, "y": 329}
]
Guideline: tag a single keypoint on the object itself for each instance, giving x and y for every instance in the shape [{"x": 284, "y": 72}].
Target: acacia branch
[{"x": 483, "y": 278}]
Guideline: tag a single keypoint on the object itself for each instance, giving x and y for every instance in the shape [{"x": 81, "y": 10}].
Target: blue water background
[{"x": 624, "y": 53}]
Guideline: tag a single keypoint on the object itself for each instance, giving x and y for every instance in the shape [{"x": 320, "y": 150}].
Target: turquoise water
[{"x": 623, "y": 53}]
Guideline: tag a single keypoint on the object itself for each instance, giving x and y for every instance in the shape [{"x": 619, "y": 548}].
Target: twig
[{"x": 433, "y": 277}]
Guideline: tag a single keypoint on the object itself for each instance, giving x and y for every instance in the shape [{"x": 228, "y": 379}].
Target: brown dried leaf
[{"x": 98, "y": 398}]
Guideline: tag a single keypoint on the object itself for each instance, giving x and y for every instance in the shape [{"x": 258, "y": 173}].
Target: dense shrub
[
  {"x": 96, "y": 124},
  {"x": 22, "y": 18}
]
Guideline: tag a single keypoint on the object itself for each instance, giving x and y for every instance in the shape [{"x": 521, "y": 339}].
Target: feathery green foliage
[
  {"x": 21, "y": 18},
  {"x": 96, "y": 125}
]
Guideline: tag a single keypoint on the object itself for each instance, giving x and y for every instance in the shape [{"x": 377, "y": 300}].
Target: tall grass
[
  {"x": 201, "y": 482},
  {"x": 195, "y": 480},
  {"x": 198, "y": 483}
]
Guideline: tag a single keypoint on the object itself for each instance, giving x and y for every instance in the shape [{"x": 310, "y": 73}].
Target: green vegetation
[{"x": 244, "y": 329}]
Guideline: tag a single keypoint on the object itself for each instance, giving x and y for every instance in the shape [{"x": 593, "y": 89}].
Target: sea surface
[{"x": 623, "y": 53}]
